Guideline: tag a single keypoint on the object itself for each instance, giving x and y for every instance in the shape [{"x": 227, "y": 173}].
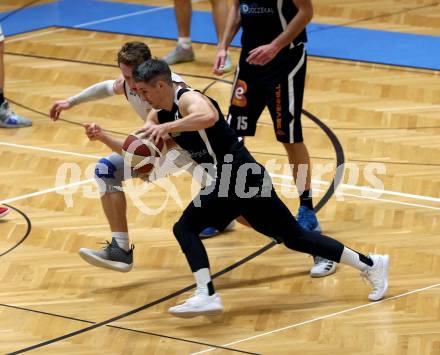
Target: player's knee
[
  {"x": 105, "y": 169},
  {"x": 182, "y": 234},
  {"x": 107, "y": 176}
]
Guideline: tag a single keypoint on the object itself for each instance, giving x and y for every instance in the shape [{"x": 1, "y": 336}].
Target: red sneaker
[{"x": 3, "y": 211}]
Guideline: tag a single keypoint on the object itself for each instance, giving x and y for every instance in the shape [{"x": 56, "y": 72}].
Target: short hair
[
  {"x": 134, "y": 53},
  {"x": 153, "y": 70}
]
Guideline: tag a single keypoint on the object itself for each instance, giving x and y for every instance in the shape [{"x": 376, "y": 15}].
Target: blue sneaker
[
  {"x": 307, "y": 219},
  {"x": 209, "y": 232},
  {"x": 9, "y": 119}
]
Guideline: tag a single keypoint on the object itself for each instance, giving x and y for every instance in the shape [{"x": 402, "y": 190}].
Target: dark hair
[
  {"x": 153, "y": 70},
  {"x": 134, "y": 53}
]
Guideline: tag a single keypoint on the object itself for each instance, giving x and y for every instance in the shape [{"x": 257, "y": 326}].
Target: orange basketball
[{"x": 140, "y": 153}]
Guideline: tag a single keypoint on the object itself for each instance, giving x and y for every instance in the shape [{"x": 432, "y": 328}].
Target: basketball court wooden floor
[{"x": 381, "y": 115}]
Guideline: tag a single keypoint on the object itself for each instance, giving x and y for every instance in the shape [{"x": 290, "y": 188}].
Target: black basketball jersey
[
  {"x": 263, "y": 20},
  {"x": 208, "y": 145}
]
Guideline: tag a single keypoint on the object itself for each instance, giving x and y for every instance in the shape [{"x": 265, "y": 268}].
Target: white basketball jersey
[{"x": 143, "y": 107}]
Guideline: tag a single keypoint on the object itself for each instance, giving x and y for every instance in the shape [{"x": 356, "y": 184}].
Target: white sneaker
[
  {"x": 198, "y": 305},
  {"x": 180, "y": 55},
  {"x": 227, "y": 67},
  {"x": 377, "y": 276},
  {"x": 323, "y": 267}
]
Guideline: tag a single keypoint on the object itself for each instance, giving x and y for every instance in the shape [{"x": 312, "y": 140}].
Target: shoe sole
[
  {"x": 196, "y": 314},
  {"x": 386, "y": 266},
  {"x": 102, "y": 263},
  {"x": 180, "y": 61},
  {"x": 4, "y": 213},
  {"x": 15, "y": 126},
  {"x": 327, "y": 273}
]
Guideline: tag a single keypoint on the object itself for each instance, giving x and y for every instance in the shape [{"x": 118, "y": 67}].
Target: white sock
[
  {"x": 185, "y": 42},
  {"x": 122, "y": 240},
  {"x": 354, "y": 259},
  {"x": 203, "y": 279}
]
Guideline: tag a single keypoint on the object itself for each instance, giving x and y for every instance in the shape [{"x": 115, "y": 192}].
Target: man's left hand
[{"x": 262, "y": 54}]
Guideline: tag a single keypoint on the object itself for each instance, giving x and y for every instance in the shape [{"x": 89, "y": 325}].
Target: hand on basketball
[
  {"x": 156, "y": 132},
  {"x": 262, "y": 54},
  {"x": 57, "y": 107},
  {"x": 93, "y": 131},
  {"x": 219, "y": 62}
]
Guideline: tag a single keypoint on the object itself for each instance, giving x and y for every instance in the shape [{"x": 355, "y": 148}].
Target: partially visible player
[
  {"x": 271, "y": 73},
  {"x": 117, "y": 255},
  {"x": 8, "y": 118}
]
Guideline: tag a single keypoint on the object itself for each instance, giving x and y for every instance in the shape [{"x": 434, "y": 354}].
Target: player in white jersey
[{"x": 118, "y": 255}]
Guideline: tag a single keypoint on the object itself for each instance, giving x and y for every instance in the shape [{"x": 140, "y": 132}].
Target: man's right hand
[
  {"x": 219, "y": 62},
  {"x": 57, "y": 107}
]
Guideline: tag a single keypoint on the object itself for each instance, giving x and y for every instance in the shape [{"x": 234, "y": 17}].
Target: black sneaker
[{"x": 110, "y": 257}]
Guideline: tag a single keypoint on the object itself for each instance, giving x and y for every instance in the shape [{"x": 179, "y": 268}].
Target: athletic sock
[
  {"x": 204, "y": 283},
  {"x": 355, "y": 259},
  {"x": 306, "y": 199},
  {"x": 185, "y": 42},
  {"x": 122, "y": 240}
]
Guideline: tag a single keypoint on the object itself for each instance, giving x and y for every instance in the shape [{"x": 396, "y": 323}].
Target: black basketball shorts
[{"x": 279, "y": 86}]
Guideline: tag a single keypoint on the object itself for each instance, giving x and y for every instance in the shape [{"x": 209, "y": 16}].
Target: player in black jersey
[
  {"x": 271, "y": 72},
  {"x": 242, "y": 187}
]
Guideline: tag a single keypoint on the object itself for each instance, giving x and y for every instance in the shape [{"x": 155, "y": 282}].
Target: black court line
[
  {"x": 26, "y": 234},
  {"x": 340, "y": 160},
  {"x": 215, "y": 80},
  {"x": 350, "y": 160},
  {"x": 148, "y": 305},
  {"x": 13, "y": 12},
  {"x": 123, "y": 328},
  {"x": 197, "y": 76},
  {"x": 387, "y": 14},
  {"x": 252, "y": 151}
]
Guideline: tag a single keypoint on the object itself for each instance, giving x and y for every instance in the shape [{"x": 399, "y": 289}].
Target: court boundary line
[
  {"x": 155, "y": 9},
  {"x": 330, "y": 315},
  {"x": 104, "y": 20},
  {"x": 26, "y": 234},
  {"x": 49, "y": 314},
  {"x": 287, "y": 177},
  {"x": 148, "y": 305}
]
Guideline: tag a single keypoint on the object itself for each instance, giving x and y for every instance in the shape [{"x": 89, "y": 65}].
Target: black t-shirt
[
  {"x": 219, "y": 147},
  {"x": 208, "y": 145},
  {"x": 263, "y": 20}
]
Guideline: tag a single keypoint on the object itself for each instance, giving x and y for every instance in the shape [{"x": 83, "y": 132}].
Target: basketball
[{"x": 140, "y": 153}]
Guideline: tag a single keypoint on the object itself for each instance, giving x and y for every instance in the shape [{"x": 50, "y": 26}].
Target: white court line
[
  {"x": 370, "y": 198},
  {"x": 403, "y": 108},
  {"x": 50, "y": 150},
  {"x": 368, "y": 189},
  {"x": 109, "y": 19},
  {"x": 42, "y": 192},
  {"x": 287, "y": 177},
  {"x": 322, "y": 317}
]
